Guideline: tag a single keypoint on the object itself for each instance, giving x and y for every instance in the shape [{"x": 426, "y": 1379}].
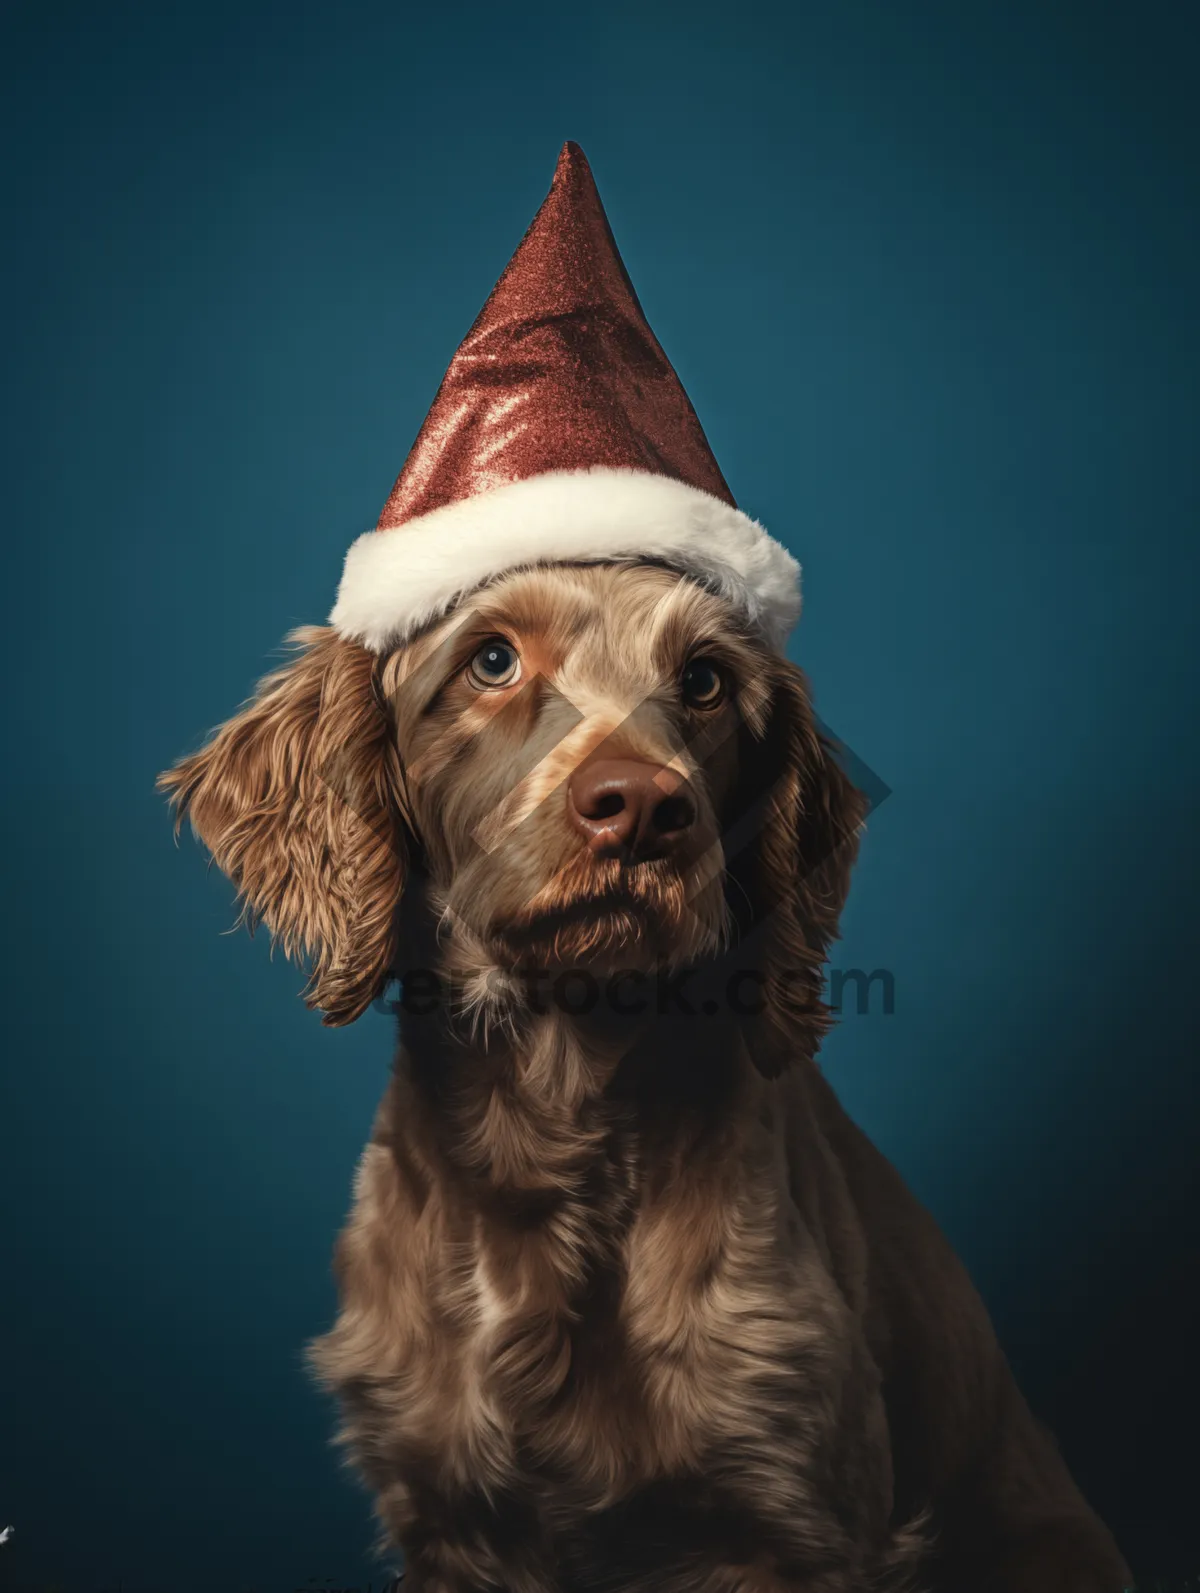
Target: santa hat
[{"x": 560, "y": 434}]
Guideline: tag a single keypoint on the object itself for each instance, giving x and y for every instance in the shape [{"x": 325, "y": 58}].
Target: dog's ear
[
  {"x": 811, "y": 821},
  {"x": 297, "y": 799}
]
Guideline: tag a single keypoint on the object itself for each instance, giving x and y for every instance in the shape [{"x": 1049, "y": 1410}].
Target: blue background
[{"x": 929, "y": 274}]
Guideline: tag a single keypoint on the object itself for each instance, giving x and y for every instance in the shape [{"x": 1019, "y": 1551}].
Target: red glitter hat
[{"x": 559, "y": 434}]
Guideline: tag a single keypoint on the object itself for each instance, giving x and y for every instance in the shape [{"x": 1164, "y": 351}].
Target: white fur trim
[{"x": 398, "y": 580}]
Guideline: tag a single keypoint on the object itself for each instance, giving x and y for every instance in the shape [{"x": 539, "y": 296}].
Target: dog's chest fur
[{"x": 606, "y": 1356}]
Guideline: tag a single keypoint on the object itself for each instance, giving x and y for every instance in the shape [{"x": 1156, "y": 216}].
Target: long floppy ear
[
  {"x": 811, "y": 820},
  {"x": 297, "y": 799}
]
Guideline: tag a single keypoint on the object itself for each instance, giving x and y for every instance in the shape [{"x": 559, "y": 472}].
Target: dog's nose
[{"x": 624, "y": 807}]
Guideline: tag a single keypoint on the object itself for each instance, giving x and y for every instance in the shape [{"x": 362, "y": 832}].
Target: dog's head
[{"x": 587, "y": 766}]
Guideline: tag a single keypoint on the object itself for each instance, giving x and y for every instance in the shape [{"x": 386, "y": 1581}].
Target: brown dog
[{"x": 628, "y": 1304}]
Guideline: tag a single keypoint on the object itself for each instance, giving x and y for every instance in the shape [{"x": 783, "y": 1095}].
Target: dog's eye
[
  {"x": 495, "y": 664},
  {"x": 702, "y": 683}
]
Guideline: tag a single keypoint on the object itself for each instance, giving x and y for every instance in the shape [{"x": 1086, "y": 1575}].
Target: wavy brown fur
[
  {"x": 296, "y": 799},
  {"x": 628, "y": 1304}
]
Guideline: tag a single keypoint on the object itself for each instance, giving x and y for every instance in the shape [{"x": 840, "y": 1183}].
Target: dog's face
[
  {"x": 569, "y": 746},
  {"x": 591, "y": 766}
]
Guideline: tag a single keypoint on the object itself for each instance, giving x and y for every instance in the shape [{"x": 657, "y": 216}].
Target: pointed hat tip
[
  {"x": 573, "y": 180},
  {"x": 570, "y": 155}
]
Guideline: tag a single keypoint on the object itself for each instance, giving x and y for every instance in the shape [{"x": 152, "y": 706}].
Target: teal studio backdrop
[{"x": 929, "y": 275}]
